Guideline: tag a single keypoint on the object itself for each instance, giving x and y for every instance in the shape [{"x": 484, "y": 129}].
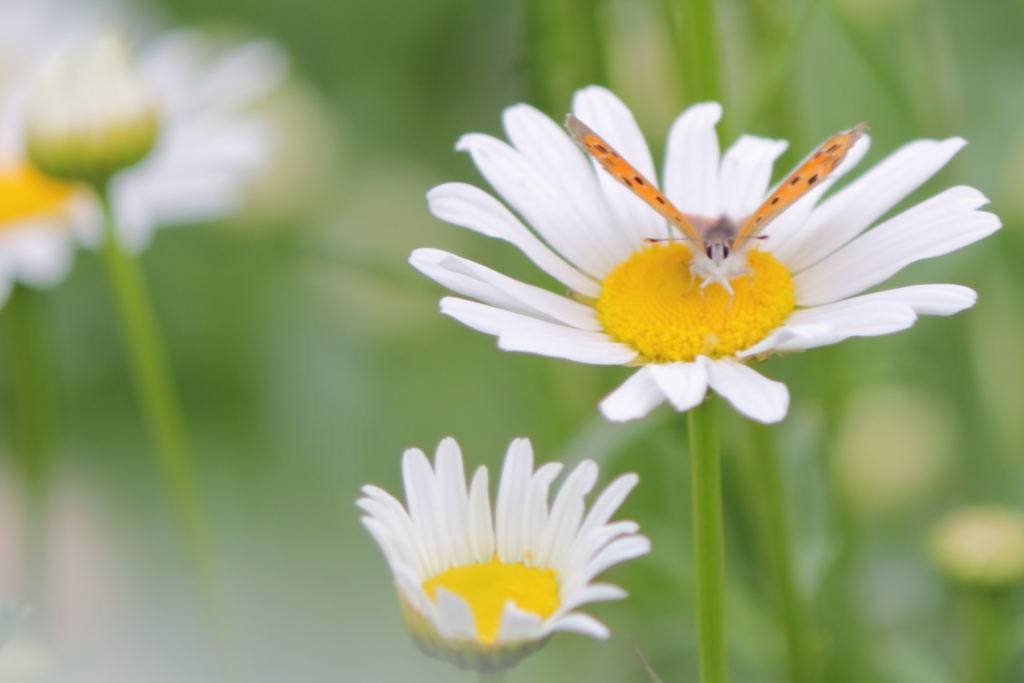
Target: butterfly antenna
[{"x": 654, "y": 240}]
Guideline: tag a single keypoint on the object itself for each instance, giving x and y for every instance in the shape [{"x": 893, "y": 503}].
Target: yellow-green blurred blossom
[
  {"x": 981, "y": 546},
  {"x": 894, "y": 447},
  {"x": 89, "y": 114}
]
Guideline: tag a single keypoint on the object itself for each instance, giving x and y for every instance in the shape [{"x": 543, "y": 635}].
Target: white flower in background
[
  {"x": 89, "y": 114},
  {"x": 484, "y": 594},
  {"x": 209, "y": 151},
  {"x": 632, "y": 303}
]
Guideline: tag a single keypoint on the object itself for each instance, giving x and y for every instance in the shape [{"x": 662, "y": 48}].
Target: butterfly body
[
  {"x": 719, "y": 260},
  {"x": 720, "y": 245}
]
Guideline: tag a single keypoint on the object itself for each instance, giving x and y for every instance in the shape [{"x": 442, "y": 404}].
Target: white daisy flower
[
  {"x": 484, "y": 594},
  {"x": 209, "y": 150},
  {"x": 631, "y": 303}
]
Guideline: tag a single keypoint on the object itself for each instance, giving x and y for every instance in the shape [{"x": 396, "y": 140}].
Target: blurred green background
[{"x": 309, "y": 355}]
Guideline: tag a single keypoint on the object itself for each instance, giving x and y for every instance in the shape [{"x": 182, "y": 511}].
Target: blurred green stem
[
  {"x": 777, "y": 547},
  {"x": 847, "y": 658},
  {"x": 709, "y": 539},
  {"x": 987, "y": 638},
  {"x": 565, "y": 44},
  {"x": 694, "y": 28},
  {"x": 159, "y": 402},
  {"x": 34, "y": 418}
]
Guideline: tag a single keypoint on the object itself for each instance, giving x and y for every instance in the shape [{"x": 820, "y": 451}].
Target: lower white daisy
[
  {"x": 484, "y": 594},
  {"x": 633, "y": 303}
]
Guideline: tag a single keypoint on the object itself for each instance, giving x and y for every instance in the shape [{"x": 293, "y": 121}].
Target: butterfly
[{"x": 721, "y": 244}]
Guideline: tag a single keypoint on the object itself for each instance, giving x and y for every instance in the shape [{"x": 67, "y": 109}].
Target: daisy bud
[
  {"x": 981, "y": 546},
  {"x": 484, "y": 591},
  {"x": 89, "y": 114}
]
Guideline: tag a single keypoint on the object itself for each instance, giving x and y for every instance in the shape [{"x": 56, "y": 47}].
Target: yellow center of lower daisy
[
  {"x": 487, "y": 587},
  {"x": 25, "y": 192},
  {"x": 651, "y": 303}
]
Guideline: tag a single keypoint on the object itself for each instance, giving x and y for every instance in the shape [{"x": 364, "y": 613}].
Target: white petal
[
  {"x": 566, "y": 168},
  {"x": 455, "y": 619},
  {"x": 454, "y": 499},
  {"x": 411, "y": 588},
  {"x": 934, "y": 227},
  {"x": 749, "y": 392},
  {"x": 384, "y": 539},
  {"x": 518, "y": 625},
  {"x": 522, "y": 185},
  {"x": 395, "y": 534},
  {"x": 481, "y": 526},
  {"x": 617, "y": 551},
  {"x": 584, "y": 624},
  {"x": 535, "y": 510},
  {"x": 611, "y": 119},
  {"x": 515, "y": 481},
  {"x": 473, "y": 208},
  {"x": 851, "y": 210},
  {"x": 528, "y": 335},
  {"x": 609, "y": 501},
  {"x": 634, "y": 398},
  {"x": 833, "y": 323},
  {"x": 397, "y": 519},
  {"x": 746, "y": 172},
  {"x": 486, "y": 285},
  {"x": 791, "y": 223},
  {"x": 424, "y": 510},
  {"x": 691, "y": 161},
  {"x": 566, "y": 515},
  {"x": 589, "y": 542},
  {"x": 928, "y": 299},
  {"x": 685, "y": 384},
  {"x": 595, "y": 592},
  {"x": 38, "y": 253}
]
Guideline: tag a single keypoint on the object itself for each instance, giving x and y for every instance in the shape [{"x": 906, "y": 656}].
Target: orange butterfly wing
[
  {"x": 812, "y": 172},
  {"x": 623, "y": 171}
]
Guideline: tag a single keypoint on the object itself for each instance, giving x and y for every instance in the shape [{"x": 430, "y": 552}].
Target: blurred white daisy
[
  {"x": 210, "y": 147},
  {"x": 631, "y": 303},
  {"x": 484, "y": 594}
]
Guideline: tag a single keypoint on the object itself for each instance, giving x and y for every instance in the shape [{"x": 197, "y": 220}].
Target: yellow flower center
[
  {"x": 25, "y": 193},
  {"x": 651, "y": 303},
  {"x": 487, "y": 587}
]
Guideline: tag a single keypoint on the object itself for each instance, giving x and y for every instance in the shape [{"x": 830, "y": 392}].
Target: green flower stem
[
  {"x": 565, "y": 51},
  {"x": 694, "y": 28},
  {"x": 34, "y": 418},
  {"x": 709, "y": 539},
  {"x": 777, "y": 547},
  {"x": 987, "y": 637},
  {"x": 847, "y": 655},
  {"x": 159, "y": 402}
]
